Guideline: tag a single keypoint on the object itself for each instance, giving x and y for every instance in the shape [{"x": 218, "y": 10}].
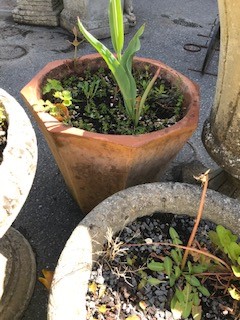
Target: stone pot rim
[
  {"x": 31, "y": 93},
  {"x": 19, "y": 162},
  {"x": 70, "y": 283}
]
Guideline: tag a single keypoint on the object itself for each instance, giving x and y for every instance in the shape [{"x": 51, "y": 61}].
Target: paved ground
[{"x": 50, "y": 214}]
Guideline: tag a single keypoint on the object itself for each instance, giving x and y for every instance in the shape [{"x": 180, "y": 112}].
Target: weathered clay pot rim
[
  {"x": 31, "y": 93},
  {"x": 19, "y": 164},
  {"x": 70, "y": 283}
]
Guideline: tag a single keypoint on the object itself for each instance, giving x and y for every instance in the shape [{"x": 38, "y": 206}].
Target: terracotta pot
[
  {"x": 96, "y": 166},
  {"x": 70, "y": 283}
]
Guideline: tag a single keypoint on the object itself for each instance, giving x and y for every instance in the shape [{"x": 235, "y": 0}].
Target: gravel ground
[{"x": 113, "y": 292}]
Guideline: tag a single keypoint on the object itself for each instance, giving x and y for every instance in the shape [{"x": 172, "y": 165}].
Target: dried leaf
[
  {"x": 61, "y": 112},
  {"x": 236, "y": 271},
  {"x": 143, "y": 305},
  {"x": 133, "y": 317},
  {"x": 197, "y": 312},
  {"x": 47, "y": 279},
  {"x": 142, "y": 284},
  {"x": 92, "y": 287},
  {"x": 101, "y": 291},
  {"x": 125, "y": 292},
  {"x": 102, "y": 309},
  {"x": 235, "y": 294}
]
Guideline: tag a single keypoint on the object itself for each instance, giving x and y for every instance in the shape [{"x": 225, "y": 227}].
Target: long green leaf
[
  {"x": 109, "y": 58},
  {"x": 133, "y": 46},
  {"x": 234, "y": 251},
  {"x": 126, "y": 61},
  {"x": 140, "y": 108},
  {"x": 116, "y": 26},
  {"x": 116, "y": 68},
  {"x": 188, "y": 302},
  {"x": 204, "y": 291},
  {"x": 168, "y": 266},
  {"x": 155, "y": 266},
  {"x": 175, "y": 256},
  {"x": 193, "y": 280},
  {"x": 153, "y": 281}
]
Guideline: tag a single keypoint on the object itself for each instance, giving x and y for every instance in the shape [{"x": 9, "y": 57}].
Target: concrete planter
[
  {"x": 96, "y": 166},
  {"x": 70, "y": 283},
  {"x": 17, "y": 172},
  {"x": 35, "y": 12},
  {"x": 221, "y": 132},
  {"x": 19, "y": 162}
]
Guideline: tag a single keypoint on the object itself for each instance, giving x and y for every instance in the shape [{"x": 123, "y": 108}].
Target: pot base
[{"x": 18, "y": 275}]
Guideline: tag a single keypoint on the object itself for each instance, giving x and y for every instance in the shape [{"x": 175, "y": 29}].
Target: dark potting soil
[
  {"x": 114, "y": 288},
  {"x": 3, "y": 139},
  {"x": 97, "y": 104}
]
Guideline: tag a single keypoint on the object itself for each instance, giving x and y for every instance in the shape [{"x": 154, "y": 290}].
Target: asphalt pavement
[{"x": 177, "y": 33}]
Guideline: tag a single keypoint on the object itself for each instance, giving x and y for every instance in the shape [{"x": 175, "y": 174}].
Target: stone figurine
[{"x": 128, "y": 12}]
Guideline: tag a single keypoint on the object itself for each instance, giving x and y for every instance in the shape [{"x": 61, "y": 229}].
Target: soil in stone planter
[
  {"x": 96, "y": 104},
  {"x": 118, "y": 288},
  {"x": 3, "y": 130}
]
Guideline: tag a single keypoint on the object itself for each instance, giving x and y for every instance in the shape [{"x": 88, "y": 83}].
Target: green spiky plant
[{"x": 121, "y": 63}]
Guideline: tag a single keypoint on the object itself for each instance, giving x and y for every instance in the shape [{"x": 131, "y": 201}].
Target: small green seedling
[
  {"x": 58, "y": 109},
  {"x": 89, "y": 88},
  {"x": 227, "y": 243},
  {"x": 75, "y": 44},
  {"x": 52, "y": 85},
  {"x": 186, "y": 299}
]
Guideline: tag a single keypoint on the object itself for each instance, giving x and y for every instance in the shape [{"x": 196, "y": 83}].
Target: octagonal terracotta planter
[{"x": 96, "y": 166}]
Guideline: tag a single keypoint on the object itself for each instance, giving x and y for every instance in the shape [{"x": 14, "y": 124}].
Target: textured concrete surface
[
  {"x": 50, "y": 214},
  {"x": 17, "y": 275},
  {"x": 222, "y": 133},
  {"x": 19, "y": 164}
]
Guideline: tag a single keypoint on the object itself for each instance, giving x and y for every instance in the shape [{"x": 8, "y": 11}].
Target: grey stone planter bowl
[
  {"x": 70, "y": 283},
  {"x": 19, "y": 164},
  {"x": 17, "y": 171}
]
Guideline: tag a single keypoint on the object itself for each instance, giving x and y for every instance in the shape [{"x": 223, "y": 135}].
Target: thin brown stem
[
  {"x": 208, "y": 254},
  {"x": 204, "y": 179}
]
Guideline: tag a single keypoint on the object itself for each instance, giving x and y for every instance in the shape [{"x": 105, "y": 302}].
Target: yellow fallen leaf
[
  {"x": 48, "y": 277},
  {"x": 92, "y": 287},
  {"x": 101, "y": 291},
  {"x": 102, "y": 308},
  {"x": 142, "y": 305},
  {"x": 235, "y": 294},
  {"x": 133, "y": 317}
]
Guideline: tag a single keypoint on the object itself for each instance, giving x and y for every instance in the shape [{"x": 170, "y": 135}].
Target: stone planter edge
[
  {"x": 69, "y": 287},
  {"x": 19, "y": 162}
]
